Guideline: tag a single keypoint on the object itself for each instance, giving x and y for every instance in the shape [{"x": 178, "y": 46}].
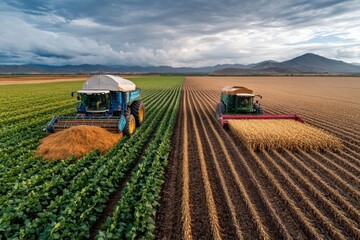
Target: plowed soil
[{"x": 218, "y": 188}]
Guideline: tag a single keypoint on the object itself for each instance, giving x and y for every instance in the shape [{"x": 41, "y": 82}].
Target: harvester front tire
[
  {"x": 130, "y": 125},
  {"x": 138, "y": 110}
]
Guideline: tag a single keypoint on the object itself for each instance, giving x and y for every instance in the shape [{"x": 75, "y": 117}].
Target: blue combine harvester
[{"x": 106, "y": 101}]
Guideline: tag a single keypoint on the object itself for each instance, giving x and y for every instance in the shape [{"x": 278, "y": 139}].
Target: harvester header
[{"x": 237, "y": 102}]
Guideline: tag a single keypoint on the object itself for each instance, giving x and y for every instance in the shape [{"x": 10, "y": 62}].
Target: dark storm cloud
[
  {"x": 176, "y": 32},
  {"x": 182, "y": 13},
  {"x": 46, "y": 54}
]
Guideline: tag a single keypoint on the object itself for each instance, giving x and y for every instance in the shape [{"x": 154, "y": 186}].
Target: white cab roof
[
  {"x": 110, "y": 83},
  {"x": 93, "y": 91},
  {"x": 245, "y": 95},
  {"x": 233, "y": 90}
]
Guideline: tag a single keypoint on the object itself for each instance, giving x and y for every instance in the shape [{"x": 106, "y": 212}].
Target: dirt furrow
[
  {"x": 325, "y": 207},
  {"x": 331, "y": 193},
  {"x": 331, "y": 176},
  {"x": 342, "y": 161},
  {"x": 227, "y": 211},
  {"x": 209, "y": 196},
  {"x": 334, "y": 167},
  {"x": 173, "y": 215},
  {"x": 197, "y": 202},
  {"x": 185, "y": 204}
]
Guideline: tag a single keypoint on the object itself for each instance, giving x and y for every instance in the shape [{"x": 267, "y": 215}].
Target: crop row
[
  {"x": 33, "y": 167},
  {"x": 63, "y": 199},
  {"x": 133, "y": 216}
]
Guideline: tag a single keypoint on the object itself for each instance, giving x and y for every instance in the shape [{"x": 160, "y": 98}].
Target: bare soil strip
[
  {"x": 7, "y": 80},
  {"x": 268, "y": 194},
  {"x": 41, "y": 79}
]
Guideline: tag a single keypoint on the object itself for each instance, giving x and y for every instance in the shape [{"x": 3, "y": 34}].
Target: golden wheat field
[{"x": 277, "y": 134}]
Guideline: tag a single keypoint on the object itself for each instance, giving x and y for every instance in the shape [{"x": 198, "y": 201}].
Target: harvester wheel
[
  {"x": 220, "y": 110},
  {"x": 130, "y": 125},
  {"x": 138, "y": 110}
]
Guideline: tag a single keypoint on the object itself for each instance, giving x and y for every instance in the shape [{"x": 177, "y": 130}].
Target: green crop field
[{"x": 68, "y": 198}]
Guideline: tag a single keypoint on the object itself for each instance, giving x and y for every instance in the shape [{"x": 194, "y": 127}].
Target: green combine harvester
[
  {"x": 238, "y": 103},
  {"x": 106, "y": 101}
]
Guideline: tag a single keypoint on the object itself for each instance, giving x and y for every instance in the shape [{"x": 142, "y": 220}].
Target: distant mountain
[
  {"x": 94, "y": 69},
  {"x": 307, "y": 63},
  {"x": 271, "y": 70},
  {"x": 317, "y": 64},
  {"x": 264, "y": 64}
]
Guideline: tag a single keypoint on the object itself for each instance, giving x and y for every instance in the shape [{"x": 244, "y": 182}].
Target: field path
[{"x": 218, "y": 188}]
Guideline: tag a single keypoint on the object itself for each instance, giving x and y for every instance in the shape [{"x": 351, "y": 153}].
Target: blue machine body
[
  {"x": 106, "y": 109},
  {"x": 118, "y": 102}
]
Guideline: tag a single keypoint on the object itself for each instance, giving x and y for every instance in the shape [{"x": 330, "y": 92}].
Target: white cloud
[
  {"x": 85, "y": 22},
  {"x": 40, "y": 46},
  {"x": 181, "y": 34}
]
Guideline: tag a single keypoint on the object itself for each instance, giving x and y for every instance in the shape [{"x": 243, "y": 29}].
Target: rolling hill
[{"x": 305, "y": 64}]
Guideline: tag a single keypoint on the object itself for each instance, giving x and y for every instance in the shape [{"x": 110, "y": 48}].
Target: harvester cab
[
  {"x": 107, "y": 101},
  {"x": 239, "y": 103},
  {"x": 93, "y": 101}
]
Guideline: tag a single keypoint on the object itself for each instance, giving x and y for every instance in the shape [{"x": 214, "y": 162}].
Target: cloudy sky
[{"x": 176, "y": 33}]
